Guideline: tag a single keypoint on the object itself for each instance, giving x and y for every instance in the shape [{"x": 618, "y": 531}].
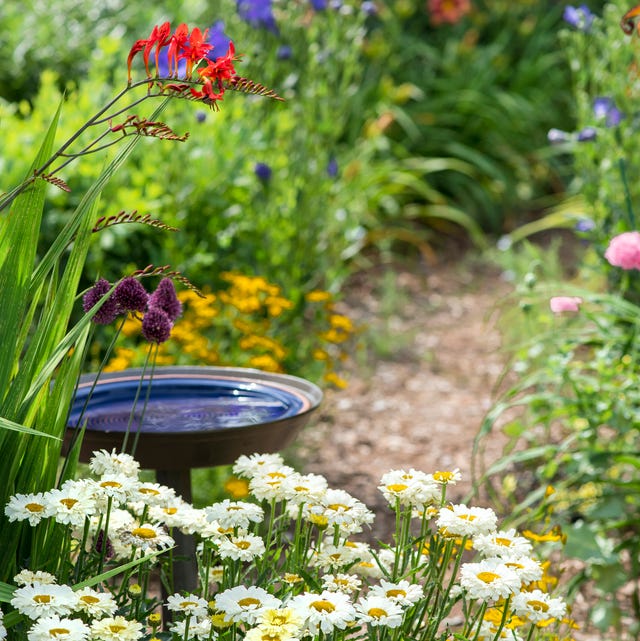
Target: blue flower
[
  {"x": 369, "y": 8},
  {"x": 319, "y": 5},
  {"x": 585, "y": 225},
  {"x": 587, "y": 134},
  {"x": 219, "y": 39},
  {"x": 332, "y": 167},
  {"x": 284, "y": 52},
  {"x": 263, "y": 171},
  {"x": 557, "y": 136},
  {"x": 579, "y": 17},
  {"x": 604, "y": 108},
  {"x": 258, "y": 13}
]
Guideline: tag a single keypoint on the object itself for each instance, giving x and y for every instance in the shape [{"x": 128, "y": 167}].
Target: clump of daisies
[{"x": 284, "y": 562}]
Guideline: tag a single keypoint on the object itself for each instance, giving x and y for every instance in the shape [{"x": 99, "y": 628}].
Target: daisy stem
[{"x": 103, "y": 550}]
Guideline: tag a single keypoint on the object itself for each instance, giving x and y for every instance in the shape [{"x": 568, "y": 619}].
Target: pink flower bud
[{"x": 560, "y": 304}]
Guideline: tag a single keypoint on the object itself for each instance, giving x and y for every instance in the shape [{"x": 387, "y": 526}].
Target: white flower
[
  {"x": 199, "y": 628},
  {"x": 52, "y": 628},
  {"x": 244, "y": 547},
  {"x": 116, "y": 629},
  {"x": 249, "y": 466},
  {"x": 325, "y": 611},
  {"x": 29, "y": 577},
  {"x": 489, "y": 579},
  {"x": 526, "y": 568},
  {"x": 149, "y": 493},
  {"x": 280, "y": 623},
  {"x": 307, "y": 488},
  {"x": 37, "y": 601},
  {"x": 191, "y": 604},
  {"x": 378, "y": 610},
  {"x": 178, "y": 513},
  {"x": 117, "y": 487},
  {"x": 403, "y": 593},
  {"x": 28, "y": 507},
  {"x": 338, "y": 507},
  {"x": 245, "y": 604},
  {"x": 273, "y": 484},
  {"x": 333, "y": 557},
  {"x": 72, "y": 503},
  {"x": 147, "y": 536},
  {"x": 346, "y": 583},
  {"x": 460, "y": 520},
  {"x": 537, "y": 606},
  {"x": 3, "y": 629},
  {"x": 488, "y": 632},
  {"x": 409, "y": 488},
  {"x": 103, "y": 462},
  {"x": 232, "y": 514},
  {"x": 503, "y": 543},
  {"x": 95, "y": 604},
  {"x": 448, "y": 477}
]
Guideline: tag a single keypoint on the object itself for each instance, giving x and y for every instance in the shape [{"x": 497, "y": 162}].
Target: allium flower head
[
  {"x": 624, "y": 250},
  {"x": 54, "y": 628},
  {"x": 130, "y": 295},
  {"x": 164, "y": 297},
  {"x": 156, "y": 325},
  {"x": 109, "y": 308}
]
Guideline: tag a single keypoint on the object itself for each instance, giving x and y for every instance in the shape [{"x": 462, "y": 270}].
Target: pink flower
[
  {"x": 447, "y": 11},
  {"x": 560, "y": 304},
  {"x": 624, "y": 250}
]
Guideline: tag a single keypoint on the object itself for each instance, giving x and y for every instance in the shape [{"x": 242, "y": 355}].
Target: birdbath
[{"x": 189, "y": 417}]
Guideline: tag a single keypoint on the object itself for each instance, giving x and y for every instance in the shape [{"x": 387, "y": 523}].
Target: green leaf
[{"x": 6, "y": 424}]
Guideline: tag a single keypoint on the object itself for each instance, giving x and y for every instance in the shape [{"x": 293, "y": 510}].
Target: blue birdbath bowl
[{"x": 193, "y": 416}]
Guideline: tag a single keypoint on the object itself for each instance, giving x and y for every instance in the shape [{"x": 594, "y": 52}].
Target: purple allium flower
[
  {"x": 258, "y": 13},
  {"x": 332, "y": 167},
  {"x": 109, "y": 308},
  {"x": 156, "y": 325},
  {"x": 263, "y": 171},
  {"x": 284, "y": 52},
  {"x": 130, "y": 295},
  {"x": 165, "y": 299},
  {"x": 557, "y": 135},
  {"x": 604, "y": 108},
  {"x": 587, "y": 134},
  {"x": 579, "y": 17},
  {"x": 219, "y": 39}
]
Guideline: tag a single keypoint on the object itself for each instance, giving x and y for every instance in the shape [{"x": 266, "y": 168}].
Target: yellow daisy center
[
  {"x": 397, "y": 487},
  {"x": 243, "y": 545},
  {"x": 68, "y": 503},
  {"x": 377, "y": 613},
  {"x": 323, "y": 606},
  {"x": 488, "y": 577},
  {"x": 248, "y": 601},
  {"x": 144, "y": 532},
  {"x": 42, "y": 598},
  {"x": 55, "y": 632},
  {"x": 89, "y": 599},
  {"x": 34, "y": 507},
  {"x": 538, "y": 606},
  {"x": 396, "y": 592}
]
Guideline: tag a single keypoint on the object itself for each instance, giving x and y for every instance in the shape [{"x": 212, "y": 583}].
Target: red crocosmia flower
[
  {"x": 216, "y": 72},
  {"x": 160, "y": 37},
  {"x": 177, "y": 43},
  {"x": 196, "y": 50}
]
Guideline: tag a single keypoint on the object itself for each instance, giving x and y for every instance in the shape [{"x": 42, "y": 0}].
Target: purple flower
[
  {"x": 585, "y": 225},
  {"x": 156, "y": 325},
  {"x": 130, "y": 295},
  {"x": 579, "y": 17},
  {"x": 219, "y": 39},
  {"x": 369, "y": 8},
  {"x": 109, "y": 308},
  {"x": 201, "y": 115},
  {"x": 604, "y": 108},
  {"x": 319, "y": 5},
  {"x": 587, "y": 134},
  {"x": 332, "y": 167},
  {"x": 258, "y": 13},
  {"x": 284, "y": 52},
  {"x": 165, "y": 299},
  {"x": 263, "y": 171}
]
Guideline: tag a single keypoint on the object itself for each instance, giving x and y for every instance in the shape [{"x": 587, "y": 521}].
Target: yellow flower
[
  {"x": 237, "y": 488},
  {"x": 265, "y": 362},
  {"x": 318, "y": 296},
  {"x": 334, "y": 379}
]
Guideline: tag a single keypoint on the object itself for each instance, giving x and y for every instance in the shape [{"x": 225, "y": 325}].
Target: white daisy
[
  {"x": 147, "y": 536},
  {"x": 149, "y": 493},
  {"x": 403, "y": 593},
  {"x": 281, "y": 622},
  {"x": 116, "y": 629},
  {"x": 526, "y": 568},
  {"x": 31, "y": 507},
  {"x": 190, "y": 604},
  {"x": 29, "y": 577},
  {"x": 502, "y": 543},
  {"x": 244, "y": 547},
  {"x": 95, "y": 604},
  {"x": 537, "y": 606},
  {"x": 335, "y": 557},
  {"x": 409, "y": 488},
  {"x": 307, "y": 488},
  {"x": 72, "y": 503},
  {"x": 489, "y": 579},
  {"x": 54, "y": 628},
  {"x": 177, "y": 513},
  {"x": 116, "y": 487},
  {"x": 260, "y": 634},
  {"x": 232, "y": 514},
  {"x": 103, "y": 462},
  {"x": 37, "y": 601},
  {"x": 341, "y": 582},
  {"x": 3, "y": 629},
  {"x": 273, "y": 484},
  {"x": 249, "y": 466},
  {"x": 378, "y": 610},
  {"x": 447, "y": 477},
  {"x": 325, "y": 611},
  {"x": 460, "y": 520},
  {"x": 488, "y": 632},
  {"x": 199, "y": 628},
  {"x": 245, "y": 604},
  {"x": 338, "y": 507}
]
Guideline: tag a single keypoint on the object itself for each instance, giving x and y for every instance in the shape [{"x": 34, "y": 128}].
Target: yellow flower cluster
[{"x": 250, "y": 323}]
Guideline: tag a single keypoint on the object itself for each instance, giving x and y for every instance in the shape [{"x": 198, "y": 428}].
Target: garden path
[{"x": 418, "y": 398}]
